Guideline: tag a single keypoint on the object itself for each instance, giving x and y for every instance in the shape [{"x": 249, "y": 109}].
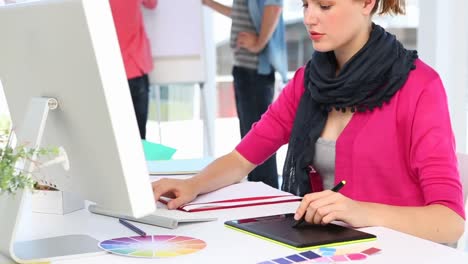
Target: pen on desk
[
  {"x": 334, "y": 189},
  {"x": 132, "y": 227}
]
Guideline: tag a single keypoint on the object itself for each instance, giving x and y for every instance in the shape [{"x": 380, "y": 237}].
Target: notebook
[
  {"x": 162, "y": 216},
  {"x": 237, "y": 195},
  {"x": 278, "y": 229}
]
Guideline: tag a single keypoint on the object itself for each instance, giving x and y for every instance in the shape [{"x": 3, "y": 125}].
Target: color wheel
[{"x": 161, "y": 246}]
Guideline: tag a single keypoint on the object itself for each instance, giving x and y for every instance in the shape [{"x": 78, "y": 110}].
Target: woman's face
[{"x": 338, "y": 25}]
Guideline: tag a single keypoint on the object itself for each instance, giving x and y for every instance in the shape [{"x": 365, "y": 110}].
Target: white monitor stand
[
  {"x": 11, "y": 205},
  {"x": 68, "y": 50}
]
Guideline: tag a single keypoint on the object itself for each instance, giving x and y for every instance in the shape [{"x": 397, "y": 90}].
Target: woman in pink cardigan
[{"x": 365, "y": 110}]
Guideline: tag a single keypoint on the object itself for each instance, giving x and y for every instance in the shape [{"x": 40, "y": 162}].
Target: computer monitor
[{"x": 68, "y": 50}]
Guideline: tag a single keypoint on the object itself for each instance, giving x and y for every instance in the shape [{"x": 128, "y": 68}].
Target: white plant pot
[{"x": 55, "y": 202}]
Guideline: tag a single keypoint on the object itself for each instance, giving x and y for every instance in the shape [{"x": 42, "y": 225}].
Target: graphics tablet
[{"x": 278, "y": 229}]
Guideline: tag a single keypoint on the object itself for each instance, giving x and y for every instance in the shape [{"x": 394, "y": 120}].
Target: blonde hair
[{"x": 392, "y": 7}]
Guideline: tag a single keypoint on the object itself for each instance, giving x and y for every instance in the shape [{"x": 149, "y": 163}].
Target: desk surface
[{"x": 228, "y": 246}]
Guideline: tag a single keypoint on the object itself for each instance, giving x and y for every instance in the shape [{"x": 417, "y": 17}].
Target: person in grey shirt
[{"x": 258, "y": 44}]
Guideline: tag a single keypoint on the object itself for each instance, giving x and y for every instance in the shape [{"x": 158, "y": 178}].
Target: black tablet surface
[{"x": 278, "y": 229}]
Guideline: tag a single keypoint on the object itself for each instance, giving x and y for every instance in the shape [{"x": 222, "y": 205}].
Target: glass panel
[{"x": 177, "y": 102}]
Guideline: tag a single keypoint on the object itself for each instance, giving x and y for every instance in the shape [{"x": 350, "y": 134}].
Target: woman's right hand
[{"x": 182, "y": 191}]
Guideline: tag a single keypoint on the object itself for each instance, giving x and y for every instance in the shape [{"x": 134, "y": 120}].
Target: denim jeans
[
  {"x": 139, "y": 89},
  {"x": 254, "y": 93}
]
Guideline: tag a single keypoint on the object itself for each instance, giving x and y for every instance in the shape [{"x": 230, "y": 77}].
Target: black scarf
[{"x": 369, "y": 79}]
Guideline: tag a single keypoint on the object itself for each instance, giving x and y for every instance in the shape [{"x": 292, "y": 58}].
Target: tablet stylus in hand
[{"x": 335, "y": 189}]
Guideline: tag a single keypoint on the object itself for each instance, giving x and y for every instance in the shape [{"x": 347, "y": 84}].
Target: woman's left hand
[{"x": 327, "y": 206}]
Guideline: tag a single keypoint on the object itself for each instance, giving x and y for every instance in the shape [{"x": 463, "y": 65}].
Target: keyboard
[{"x": 162, "y": 216}]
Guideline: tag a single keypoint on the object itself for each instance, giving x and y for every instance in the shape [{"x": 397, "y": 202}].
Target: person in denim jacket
[{"x": 258, "y": 44}]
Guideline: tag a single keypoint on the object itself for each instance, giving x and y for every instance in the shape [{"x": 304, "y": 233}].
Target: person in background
[
  {"x": 258, "y": 44},
  {"x": 136, "y": 52},
  {"x": 364, "y": 110}
]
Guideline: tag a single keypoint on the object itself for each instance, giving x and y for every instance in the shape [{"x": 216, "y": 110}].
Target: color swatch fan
[{"x": 162, "y": 246}]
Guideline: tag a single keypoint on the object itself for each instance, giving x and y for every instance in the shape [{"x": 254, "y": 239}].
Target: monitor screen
[{"x": 68, "y": 50}]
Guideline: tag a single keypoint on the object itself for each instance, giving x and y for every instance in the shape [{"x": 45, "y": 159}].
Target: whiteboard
[{"x": 176, "y": 33}]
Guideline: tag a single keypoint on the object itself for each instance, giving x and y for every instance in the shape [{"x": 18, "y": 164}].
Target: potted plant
[{"x": 12, "y": 176}]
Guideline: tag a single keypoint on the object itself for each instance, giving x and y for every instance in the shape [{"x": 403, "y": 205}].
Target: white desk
[{"x": 228, "y": 246}]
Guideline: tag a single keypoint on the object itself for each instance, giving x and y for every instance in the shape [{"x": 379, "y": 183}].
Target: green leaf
[{"x": 12, "y": 178}]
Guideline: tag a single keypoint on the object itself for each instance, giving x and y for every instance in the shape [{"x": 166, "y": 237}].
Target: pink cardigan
[
  {"x": 402, "y": 154},
  {"x": 134, "y": 44}
]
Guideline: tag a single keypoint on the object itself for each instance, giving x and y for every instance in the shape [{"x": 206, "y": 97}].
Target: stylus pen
[
  {"x": 334, "y": 189},
  {"x": 132, "y": 227}
]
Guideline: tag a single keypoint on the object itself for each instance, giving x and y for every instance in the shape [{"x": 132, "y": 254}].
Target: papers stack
[{"x": 238, "y": 195}]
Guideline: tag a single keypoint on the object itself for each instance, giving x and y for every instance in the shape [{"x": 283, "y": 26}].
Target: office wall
[
  {"x": 3, "y": 104},
  {"x": 443, "y": 44}
]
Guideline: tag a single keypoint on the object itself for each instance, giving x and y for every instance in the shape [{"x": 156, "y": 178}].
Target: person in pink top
[
  {"x": 384, "y": 111},
  {"x": 136, "y": 52}
]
